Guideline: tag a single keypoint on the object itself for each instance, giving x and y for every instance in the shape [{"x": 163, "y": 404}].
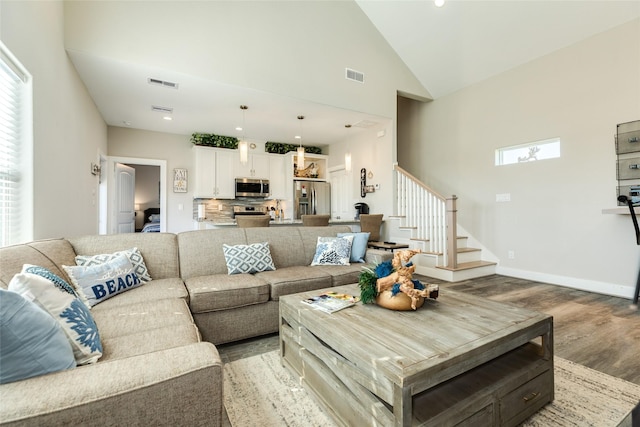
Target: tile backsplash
[{"x": 218, "y": 210}]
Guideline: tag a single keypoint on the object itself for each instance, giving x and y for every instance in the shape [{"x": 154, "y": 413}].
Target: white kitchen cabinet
[
  {"x": 214, "y": 176},
  {"x": 278, "y": 177},
  {"x": 257, "y": 166}
]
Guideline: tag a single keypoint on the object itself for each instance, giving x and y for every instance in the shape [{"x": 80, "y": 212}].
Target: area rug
[{"x": 259, "y": 391}]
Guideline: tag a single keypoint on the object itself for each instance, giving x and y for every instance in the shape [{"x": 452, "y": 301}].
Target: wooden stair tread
[
  {"x": 408, "y": 228},
  {"x": 468, "y": 265},
  {"x": 396, "y": 216},
  {"x": 417, "y": 239},
  {"x": 462, "y": 250}
]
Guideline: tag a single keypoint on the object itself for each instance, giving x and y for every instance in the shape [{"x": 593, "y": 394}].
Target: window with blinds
[{"x": 15, "y": 151}]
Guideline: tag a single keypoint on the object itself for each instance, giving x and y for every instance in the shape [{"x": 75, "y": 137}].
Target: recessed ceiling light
[
  {"x": 297, "y": 137},
  {"x": 439, "y": 3},
  {"x": 239, "y": 128},
  {"x": 169, "y": 118}
]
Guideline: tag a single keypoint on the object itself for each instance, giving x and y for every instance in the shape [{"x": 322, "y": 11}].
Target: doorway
[{"x": 151, "y": 195}]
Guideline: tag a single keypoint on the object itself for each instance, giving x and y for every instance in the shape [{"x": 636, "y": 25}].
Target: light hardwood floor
[{"x": 595, "y": 330}]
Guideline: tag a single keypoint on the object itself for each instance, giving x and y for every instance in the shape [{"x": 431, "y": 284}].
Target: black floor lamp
[{"x": 629, "y": 202}]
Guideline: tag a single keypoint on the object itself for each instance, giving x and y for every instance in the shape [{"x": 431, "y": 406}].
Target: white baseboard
[{"x": 612, "y": 289}]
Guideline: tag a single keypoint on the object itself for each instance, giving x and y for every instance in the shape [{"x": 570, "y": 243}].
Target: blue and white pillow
[
  {"x": 99, "y": 282},
  {"x": 333, "y": 251},
  {"x": 134, "y": 255},
  {"x": 359, "y": 245},
  {"x": 252, "y": 258},
  {"x": 33, "y": 343},
  {"x": 54, "y": 295}
]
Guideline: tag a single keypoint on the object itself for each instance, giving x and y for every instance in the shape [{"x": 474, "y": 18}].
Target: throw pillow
[
  {"x": 58, "y": 298},
  {"x": 359, "y": 245},
  {"x": 332, "y": 251},
  {"x": 134, "y": 255},
  {"x": 33, "y": 343},
  {"x": 99, "y": 282},
  {"x": 252, "y": 258}
]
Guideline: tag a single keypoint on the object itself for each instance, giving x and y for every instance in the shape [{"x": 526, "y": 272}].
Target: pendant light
[
  {"x": 347, "y": 155},
  {"x": 300, "y": 148},
  {"x": 242, "y": 145}
]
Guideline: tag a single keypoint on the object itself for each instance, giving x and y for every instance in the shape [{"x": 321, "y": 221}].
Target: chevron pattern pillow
[
  {"x": 134, "y": 255},
  {"x": 252, "y": 258}
]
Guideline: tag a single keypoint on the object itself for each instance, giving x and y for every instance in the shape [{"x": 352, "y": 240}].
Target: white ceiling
[
  {"x": 465, "y": 42},
  {"x": 447, "y": 49}
]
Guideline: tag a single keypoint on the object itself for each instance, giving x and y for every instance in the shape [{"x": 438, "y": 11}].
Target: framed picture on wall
[{"x": 179, "y": 180}]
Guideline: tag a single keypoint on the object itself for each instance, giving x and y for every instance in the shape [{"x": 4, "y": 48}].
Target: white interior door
[
  {"x": 341, "y": 194},
  {"x": 125, "y": 181}
]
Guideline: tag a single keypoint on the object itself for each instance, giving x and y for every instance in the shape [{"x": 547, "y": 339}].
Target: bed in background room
[{"x": 151, "y": 220}]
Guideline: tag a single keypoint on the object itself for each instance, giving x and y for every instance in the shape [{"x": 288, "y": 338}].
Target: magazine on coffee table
[{"x": 330, "y": 302}]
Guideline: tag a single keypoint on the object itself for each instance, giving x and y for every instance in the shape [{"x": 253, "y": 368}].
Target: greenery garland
[
  {"x": 212, "y": 140},
  {"x": 282, "y": 148}
]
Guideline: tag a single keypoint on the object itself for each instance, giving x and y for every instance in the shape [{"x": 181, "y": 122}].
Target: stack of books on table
[{"x": 330, "y": 302}]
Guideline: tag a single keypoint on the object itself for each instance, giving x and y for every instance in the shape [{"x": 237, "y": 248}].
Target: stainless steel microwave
[{"x": 251, "y": 187}]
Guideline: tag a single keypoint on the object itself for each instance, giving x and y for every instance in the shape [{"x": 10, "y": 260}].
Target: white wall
[
  {"x": 375, "y": 154},
  {"x": 69, "y": 133},
  {"x": 176, "y": 150},
  {"x": 554, "y": 222}
]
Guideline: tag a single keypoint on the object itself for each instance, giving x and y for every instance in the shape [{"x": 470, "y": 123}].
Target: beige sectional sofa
[{"x": 159, "y": 364}]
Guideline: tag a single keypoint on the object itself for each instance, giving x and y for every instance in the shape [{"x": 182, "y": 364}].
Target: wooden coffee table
[{"x": 459, "y": 359}]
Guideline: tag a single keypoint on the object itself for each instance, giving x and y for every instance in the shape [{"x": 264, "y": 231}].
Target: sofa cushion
[
  {"x": 292, "y": 280},
  {"x": 333, "y": 251},
  {"x": 59, "y": 299},
  {"x": 201, "y": 251},
  {"x": 221, "y": 291},
  {"x": 342, "y": 274},
  {"x": 99, "y": 282},
  {"x": 33, "y": 343},
  {"x": 134, "y": 255},
  {"x": 251, "y": 258},
  {"x": 50, "y": 254},
  {"x": 285, "y": 244},
  {"x": 149, "y": 341},
  {"x": 131, "y": 319},
  {"x": 159, "y": 250}
]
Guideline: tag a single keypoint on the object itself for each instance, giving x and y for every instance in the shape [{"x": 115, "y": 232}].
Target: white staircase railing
[{"x": 432, "y": 216}]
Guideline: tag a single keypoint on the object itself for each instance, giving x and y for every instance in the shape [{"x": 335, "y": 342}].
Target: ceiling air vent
[
  {"x": 354, "y": 75},
  {"x": 157, "y": 82},
  {"x": 166, "y": 110},
  {"x": 364, "y": 124}
]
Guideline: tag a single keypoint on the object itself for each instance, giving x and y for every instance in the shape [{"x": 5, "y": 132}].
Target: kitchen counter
[{"x": 202, "y": 225}]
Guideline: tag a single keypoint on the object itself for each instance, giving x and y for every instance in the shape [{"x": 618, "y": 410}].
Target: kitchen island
[{"x": 208, "y": 224}]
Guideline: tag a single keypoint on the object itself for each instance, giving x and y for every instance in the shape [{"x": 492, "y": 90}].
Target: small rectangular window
[{"x": 538, "y": 150}]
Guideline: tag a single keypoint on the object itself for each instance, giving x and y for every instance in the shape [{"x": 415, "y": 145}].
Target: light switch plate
[{"x": 503, "y": 197}]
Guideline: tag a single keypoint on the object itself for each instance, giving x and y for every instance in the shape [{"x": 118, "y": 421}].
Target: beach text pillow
[{"x": 99, "y": 282}]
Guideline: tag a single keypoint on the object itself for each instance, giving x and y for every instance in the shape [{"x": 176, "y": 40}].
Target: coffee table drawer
[{"x": 522, "y": 400}]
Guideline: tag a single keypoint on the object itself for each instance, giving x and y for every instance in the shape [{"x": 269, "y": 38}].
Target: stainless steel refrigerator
[{"x": 311, "y": 198}]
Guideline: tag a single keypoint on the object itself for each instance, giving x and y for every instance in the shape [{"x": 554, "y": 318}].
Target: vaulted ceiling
[{"x": 446, "y": 48}]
